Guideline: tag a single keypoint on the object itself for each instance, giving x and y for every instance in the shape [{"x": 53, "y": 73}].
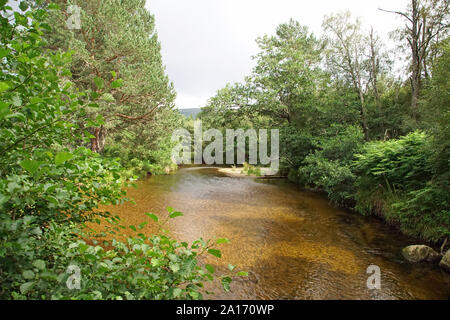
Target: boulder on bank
[
  {"x": 445, "y": 261},
  {"x": 420, "y": 253}
]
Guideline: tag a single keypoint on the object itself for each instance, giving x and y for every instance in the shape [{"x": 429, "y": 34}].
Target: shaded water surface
[{"x": 292, "y": 242}]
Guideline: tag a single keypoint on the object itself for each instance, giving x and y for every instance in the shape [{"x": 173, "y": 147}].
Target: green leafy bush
[
  {"x": 294, "y": 147},
  {"x": 43, "y": 263},
  {"x": 49, "y": 188},
  {"x": 396, "y": 181},
  {"x": 399, "y": 164},
  {"x": 329, "y": 168}
]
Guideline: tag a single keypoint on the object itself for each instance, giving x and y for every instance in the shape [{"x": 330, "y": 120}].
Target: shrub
[
  {"x": 49, "y": 189},
  {"x": 329, "y": 168},
  {"x": 41, "y": 263},
  {"x": 396, "y": 181}
]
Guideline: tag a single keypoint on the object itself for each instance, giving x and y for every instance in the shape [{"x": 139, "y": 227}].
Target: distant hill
[{"x": 190, "y": 112}]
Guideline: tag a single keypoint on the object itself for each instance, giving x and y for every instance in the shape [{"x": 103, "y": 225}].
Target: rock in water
[
  {"x": 420, "y": 253},
  {"x": 445, "y": 262}
]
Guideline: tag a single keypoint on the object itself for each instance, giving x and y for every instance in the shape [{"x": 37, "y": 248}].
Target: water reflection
[{"x": 292, "y": 242}]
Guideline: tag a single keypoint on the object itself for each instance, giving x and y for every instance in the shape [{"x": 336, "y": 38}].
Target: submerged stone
[{"x": 420, "y": 253}]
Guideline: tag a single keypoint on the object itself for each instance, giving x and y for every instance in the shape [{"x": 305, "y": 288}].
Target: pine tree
[{"x": 117, "y": 60}]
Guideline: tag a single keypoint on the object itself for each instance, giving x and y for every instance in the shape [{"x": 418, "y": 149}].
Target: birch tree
[
  {"x": 346, "y": 54},
  {"x": 426, "y": 22}
]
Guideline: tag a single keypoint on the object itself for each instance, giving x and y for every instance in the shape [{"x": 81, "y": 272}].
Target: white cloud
[
  {"x": 208, "y": 43},
  {"x": 190, "y": 101}
]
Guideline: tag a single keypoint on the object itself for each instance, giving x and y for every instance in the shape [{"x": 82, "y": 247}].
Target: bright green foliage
[
  {"x": 35, "y": 264},
  {"x": 117, "y": 62},
  {"x": 437, "y": 114},
  {"x": 230, "y": 108},
  {"x": 396, "y": 164},
  {"x": 39, "y": 175},
  {"x": 336, "y": 97},
  {"x": 329, "y": 168},
  {"x": 396, "y": 181},
  {"x": 249, "y": 170},
  {"x": 50, "y": 186},
  {"x": 286, "y": 73}
]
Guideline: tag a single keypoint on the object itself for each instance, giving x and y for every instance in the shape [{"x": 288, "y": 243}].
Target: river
[{"x": 293, "y": 243}]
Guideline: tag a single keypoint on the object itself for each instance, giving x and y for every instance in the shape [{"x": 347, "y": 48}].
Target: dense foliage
[
  {"x": 44, "y": 262},
  {"x": 348, "y": 125},
  {"x": 117, "y": 62},
  {"x": 80, "y": 104},
  {"x": 51, "y": 187}
]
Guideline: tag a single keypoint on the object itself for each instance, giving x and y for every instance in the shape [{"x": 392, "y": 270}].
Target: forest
[
  {"x": 87, "y": 110},
  {"x": 348, "y": 125}
]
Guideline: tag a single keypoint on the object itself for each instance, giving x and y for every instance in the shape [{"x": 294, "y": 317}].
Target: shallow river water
[{"x": 293, "y": 243}]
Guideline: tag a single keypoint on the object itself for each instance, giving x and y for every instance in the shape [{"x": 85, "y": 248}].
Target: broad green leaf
[
  {"x": 226, "y": 283},
  {"x": 23, "y": 6},
  {"x": 176, "y": 292},
  {"x": 52, "y": 200},
  {"x": 62, "y": 157},
  {"x": 40, "y": 264},
  {"x": 155, "y": 262},
  {"x": 175, "y": 267},
  {"x": 53, "y": 6},
  {"x": 28, "y": 274},
  {"x": 3, "y": 86},
  {"x": 215, "y": 253},
  {"x": 142, "y": 225},
  {"x": 108, "y": 97},
  {"x": 3, "y": 53},
  {"x": 117, "y": 83},
  {"x": 242, "y": 273},
  {"x": 175, "y": 214},
  {"x": 3, "y": 199},
  {"x": 152, "y": 216},
  {"x": 99, "y": 82},
  {"x": 222, "y": 240},
  {"x": 16, "y": 101},
  {"x": 210, "y": 268},
  {"x": 194, "y": 294},
  {"x": 231, "y": 267},
  {"x": 4, "y": 109},
  {"x": 24, "y": 288},
  {"x": 30, "y": 165}
]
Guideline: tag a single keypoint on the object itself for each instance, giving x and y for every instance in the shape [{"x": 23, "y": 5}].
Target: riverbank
[
  {"x": 379, "y": 215},
  {"x": 240, "y": 172},
  {"x": 382, "y": 208},
  {"x": 294, "y": 244}
]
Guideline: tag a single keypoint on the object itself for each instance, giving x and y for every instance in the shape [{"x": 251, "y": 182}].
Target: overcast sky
[{"x": 209, "y": 43}]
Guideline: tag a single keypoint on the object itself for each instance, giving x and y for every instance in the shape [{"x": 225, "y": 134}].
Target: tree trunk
[
  {"x": 98, "y": 142},
  {"x": 375, "y": 78},
  {"x": 414, "y": 43},
  {"x": 363, "y": 113},
  {"x": 358, "y": 87}
]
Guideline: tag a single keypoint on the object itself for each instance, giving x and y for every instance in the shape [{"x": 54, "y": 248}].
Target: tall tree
[
  {"x": 347, "y": 57},
  {"x": 426, "y": 21},
  {"x": 286, "y": 75},
  {"x": 117, "y": 60}
]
